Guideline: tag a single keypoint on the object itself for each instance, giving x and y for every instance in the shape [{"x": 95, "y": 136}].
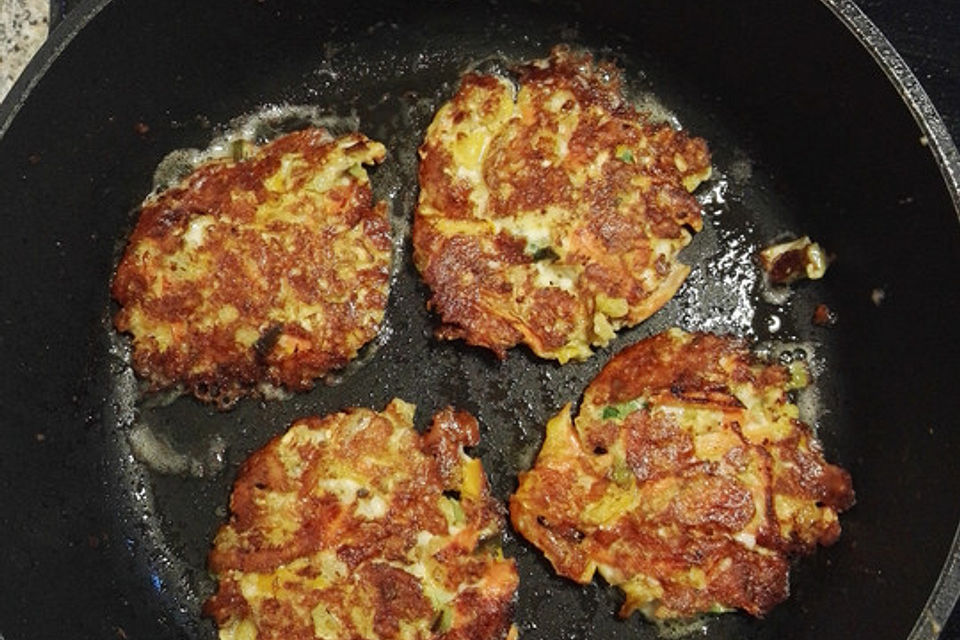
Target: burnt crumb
[
  {"x": 824, "y": 316},
  {"x": 788, "y": 267},
  {"x": 787, "y": 262},
  {"x": 267, "y": 341},
  {"x": 565, "y": 531},
  {"x": 877, "y": 296},
  {"x": 222, "y": 394}
]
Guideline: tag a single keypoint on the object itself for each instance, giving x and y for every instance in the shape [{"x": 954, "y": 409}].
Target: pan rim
[
  {"x": 944, "y": 595},
  {"x": 46, "y": 55},
  {"x": 931, "y": 124},
  {"x": 928, "y": 119},
  {"x": 946, "y": 591}
]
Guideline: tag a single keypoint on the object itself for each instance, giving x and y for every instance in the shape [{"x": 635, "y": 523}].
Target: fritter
[
  {"x": 268, "y": 269},
  {"x": 689, "y": 480},
  {"x": 355, "y": 526},
  {"x": 552, "y": 214}
]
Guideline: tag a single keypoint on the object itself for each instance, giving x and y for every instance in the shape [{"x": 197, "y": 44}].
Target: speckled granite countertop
[{"x": 23, "y": 28}]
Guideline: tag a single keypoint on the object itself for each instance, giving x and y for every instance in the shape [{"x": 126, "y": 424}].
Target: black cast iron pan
[{"x": 808, "y": 136}]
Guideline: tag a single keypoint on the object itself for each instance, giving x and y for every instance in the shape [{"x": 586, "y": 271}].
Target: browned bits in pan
[{"x": 787, "y": 262}]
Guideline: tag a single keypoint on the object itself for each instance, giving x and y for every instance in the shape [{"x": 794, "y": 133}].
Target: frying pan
[{"x": 809, "y": 136}]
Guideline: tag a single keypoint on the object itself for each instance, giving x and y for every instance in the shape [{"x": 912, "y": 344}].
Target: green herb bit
[
  {"x": 453, "y": 511},
  {"x": 622, "y": 410},
  {"x": 620, "y": 473},
  {"x": 624, "y": 154}
]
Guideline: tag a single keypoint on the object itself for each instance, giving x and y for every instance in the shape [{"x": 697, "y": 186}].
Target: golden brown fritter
[
  {"x": 270, "y": 269},
  {"x": 552, "y": 214},
  {"x": 354, "y": 526},
  {"x": 688, "y": 481}
]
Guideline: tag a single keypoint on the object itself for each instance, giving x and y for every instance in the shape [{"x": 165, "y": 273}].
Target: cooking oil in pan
[
  {"x": 718, "y": 295},
  {"x": 139, "y": 453}
]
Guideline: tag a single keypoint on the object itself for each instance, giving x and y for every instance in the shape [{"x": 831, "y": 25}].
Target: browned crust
[
  {"x": 483, "y": 281},
  {"x": 711, "y": 508},
  {"x": 269, "y": 265},
  {"x": 298, "y": 474},
  {"x": 662, "y": 364}
]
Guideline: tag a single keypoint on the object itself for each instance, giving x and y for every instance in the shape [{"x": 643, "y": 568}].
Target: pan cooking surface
[
  {"x": 512, "y": 399},
  {"x": 147, "y": 524}
]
